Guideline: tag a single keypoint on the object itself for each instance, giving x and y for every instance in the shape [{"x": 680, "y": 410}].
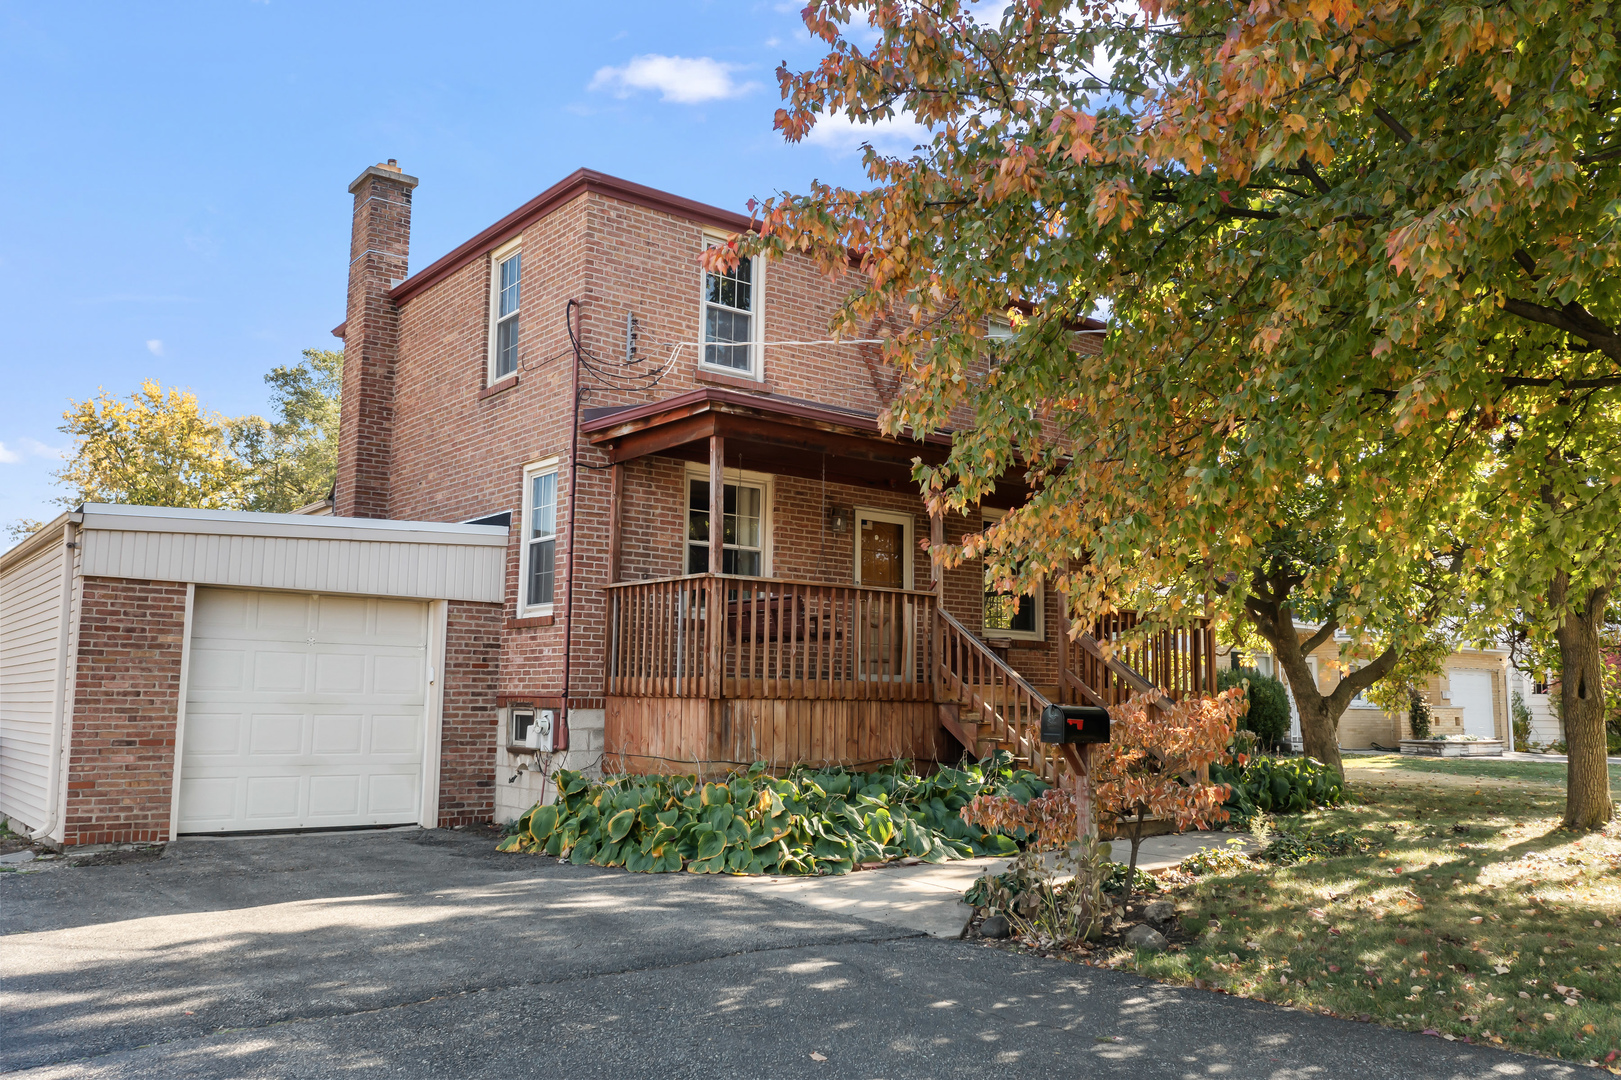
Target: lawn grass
[
  {"x": 1466, "y": 912},
  {"x": 1551, "y": 772}
]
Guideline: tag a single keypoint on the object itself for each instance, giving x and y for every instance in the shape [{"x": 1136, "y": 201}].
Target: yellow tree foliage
[{"x": 156, "y": 448}]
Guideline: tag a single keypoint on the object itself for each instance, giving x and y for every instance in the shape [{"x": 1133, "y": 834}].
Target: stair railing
[{"x": 997, "y": 694}]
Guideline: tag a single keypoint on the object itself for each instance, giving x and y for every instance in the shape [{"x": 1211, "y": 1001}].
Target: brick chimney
[{"x": 378, "y": 249}]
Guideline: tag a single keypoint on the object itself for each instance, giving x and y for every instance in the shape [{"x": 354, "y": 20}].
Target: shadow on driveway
[{"x": 425, "y": 954}]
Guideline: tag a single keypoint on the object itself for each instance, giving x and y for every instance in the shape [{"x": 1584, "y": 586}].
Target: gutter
[{"x": 59, "y": 692}]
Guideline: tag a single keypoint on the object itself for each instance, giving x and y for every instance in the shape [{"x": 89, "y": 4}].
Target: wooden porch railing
[
  {"x": 719, "y": 635},
  {"x": 999, "y": 696},
  {"x": 1180, "y": 661}
]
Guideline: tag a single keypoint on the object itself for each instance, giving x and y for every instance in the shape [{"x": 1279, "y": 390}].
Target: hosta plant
[{"x": 823, "y": 821}]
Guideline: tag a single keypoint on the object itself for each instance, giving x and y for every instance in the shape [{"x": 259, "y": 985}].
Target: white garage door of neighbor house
[
  {"x": 1472, "y": 692},
  {"x": 303, "y": 712}
]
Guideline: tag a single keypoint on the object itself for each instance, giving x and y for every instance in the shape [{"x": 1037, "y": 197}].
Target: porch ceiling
[{"x": 771, "y": 434}]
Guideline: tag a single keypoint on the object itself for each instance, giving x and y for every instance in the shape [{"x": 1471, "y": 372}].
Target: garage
[
  {"x": 303, "y": 711},
  {"x": 172, "y": 671}
]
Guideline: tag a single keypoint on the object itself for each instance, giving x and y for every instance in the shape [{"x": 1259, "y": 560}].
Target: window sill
[
  {"x": 499, "y": 388},
  {"x": 518, "y": 749},
  {"x": 528, "y": 621},
  {"x": 1004, "y": 641},
  {"x": 736, "y": 382}
]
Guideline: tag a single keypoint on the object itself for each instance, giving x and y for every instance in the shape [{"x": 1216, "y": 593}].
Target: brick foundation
[{"x": 120, "y": 777}]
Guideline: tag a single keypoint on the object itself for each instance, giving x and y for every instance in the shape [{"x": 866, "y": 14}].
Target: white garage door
[
  {"x": 303, "y": 712},
  {"x": 1472, "y": 692}
]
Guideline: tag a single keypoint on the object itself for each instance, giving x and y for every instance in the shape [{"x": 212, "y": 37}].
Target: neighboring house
[
  {"x": 520, "y": 566},
  {"x": 1469, "y": 696},
  {"x": 1546, "y": 727}
]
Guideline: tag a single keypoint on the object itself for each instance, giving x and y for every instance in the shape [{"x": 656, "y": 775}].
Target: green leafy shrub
[
  {"x": 1114, "y": 879},
  {"x": 1522, "y": 722},
  {"x": 1268, "y": 714},
  {"x": 1227, "y": 859},
  {"x": 1286, "y": 844},
  {"x": 1270, "y": 785},
  {"x": 813, "y": 821},
  {"x": 1418, "y": 717}
]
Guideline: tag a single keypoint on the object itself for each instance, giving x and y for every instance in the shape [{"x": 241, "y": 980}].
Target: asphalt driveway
[{"x": 426, "y": 954}]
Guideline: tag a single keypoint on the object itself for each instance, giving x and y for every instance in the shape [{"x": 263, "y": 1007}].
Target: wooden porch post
[
  {"x": 937, "y": 538},
  {"x": 717, "y": 503},
  {"x": 1063, "y": 645},
  {"x": 616, "y": 500}
]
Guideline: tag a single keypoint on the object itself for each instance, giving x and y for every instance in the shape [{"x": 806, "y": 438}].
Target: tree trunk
[
  {"x": 1136, "y": 842},
  {"x": 1581, "y": 706},
  {"x": 1319, "y": 731}
]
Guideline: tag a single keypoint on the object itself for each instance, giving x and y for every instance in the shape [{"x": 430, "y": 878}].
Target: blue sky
[{"x": 172, "y": 176}]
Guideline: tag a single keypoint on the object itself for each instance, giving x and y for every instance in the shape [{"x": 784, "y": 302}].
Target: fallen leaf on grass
[
  {"x": 818, "y": 1057},
  {"x": 1499, "y": 969},
  {"x": 1478, "y": 919}
]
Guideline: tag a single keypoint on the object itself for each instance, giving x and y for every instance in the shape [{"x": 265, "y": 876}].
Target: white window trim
[
  {"x": 1040, "y": 632},
  {"x": 766, "y": 482},
  {"x": 539, "y": 468},
  {"x": 497, "y": 257},
  {"x": 906, "y": 523},
  {"x": 756, "y": 370}
]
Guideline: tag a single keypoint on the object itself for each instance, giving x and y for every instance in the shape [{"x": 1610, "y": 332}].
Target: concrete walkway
[{"x": 928, "y": 897}]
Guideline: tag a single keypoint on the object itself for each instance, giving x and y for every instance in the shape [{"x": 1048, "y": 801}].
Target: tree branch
[{"x": 1572, "y": 319}]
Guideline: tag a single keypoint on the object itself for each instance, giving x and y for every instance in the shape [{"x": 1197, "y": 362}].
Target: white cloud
[
  {"x": 840, "y": 135},
  {"x": 155, "y": 347},
  {"x": 26, "y": 447},
  {"x": 683, "y": 80}
]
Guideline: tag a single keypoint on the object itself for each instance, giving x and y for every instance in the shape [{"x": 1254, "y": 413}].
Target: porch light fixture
[{"x": 838, "y": 519}]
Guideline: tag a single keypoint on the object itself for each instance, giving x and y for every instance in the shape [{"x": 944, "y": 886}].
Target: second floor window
[
  {"x": 540, "y": 536},
  {"x": 504, "y": 347},
  {"x": 730, "y": 311}
]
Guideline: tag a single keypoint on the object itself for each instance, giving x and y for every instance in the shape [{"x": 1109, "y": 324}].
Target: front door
[
  {"x": 882, "y": 552},
  {"x": 883, "y": 559}
]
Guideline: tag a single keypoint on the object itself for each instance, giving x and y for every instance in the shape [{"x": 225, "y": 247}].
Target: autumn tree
[
  {"x": 162, "y": 448},
  {"x": 1153, "y": 760},
  {"x": 1347, "y": 247},
  {"x": 156, "y": 448}
]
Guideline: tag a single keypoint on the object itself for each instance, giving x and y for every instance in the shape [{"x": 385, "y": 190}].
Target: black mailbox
[{"x": 1074, "y": 724}]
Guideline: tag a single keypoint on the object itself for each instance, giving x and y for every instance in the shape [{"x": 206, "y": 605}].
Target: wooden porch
[{"x": 708, "y": 672}]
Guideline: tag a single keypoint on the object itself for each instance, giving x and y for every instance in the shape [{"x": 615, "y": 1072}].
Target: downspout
[
  {"x": 573, "y": 484},
  {"x": 59, "y": 692}
]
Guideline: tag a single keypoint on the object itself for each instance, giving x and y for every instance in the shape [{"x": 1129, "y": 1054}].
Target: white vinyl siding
[
  {"x": 446, "y": 571},
  {"x": 30, "y": 628}
]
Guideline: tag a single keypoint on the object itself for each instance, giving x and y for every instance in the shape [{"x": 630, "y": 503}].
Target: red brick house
[{"x": 572, "y": 371}]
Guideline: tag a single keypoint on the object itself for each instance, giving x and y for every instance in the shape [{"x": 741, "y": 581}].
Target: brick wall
[
  {"x": 379, "y": 248},
  {"x": 458, "y": 445},
  {"x": 120, "y": 777},
  {"x": 470, "y": 719}
]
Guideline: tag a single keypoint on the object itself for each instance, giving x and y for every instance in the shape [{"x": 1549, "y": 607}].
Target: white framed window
[
  {"x": 1012, "y": 615},
  {"x": 537, "y": 570},
  {"x": 1358, "y": 702},
  {"x": 731, "y": 318},
  {"x": 747, "y": 525},
  {"x": 883, "y": 549},
  {"x": 506, "y": 295}
]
